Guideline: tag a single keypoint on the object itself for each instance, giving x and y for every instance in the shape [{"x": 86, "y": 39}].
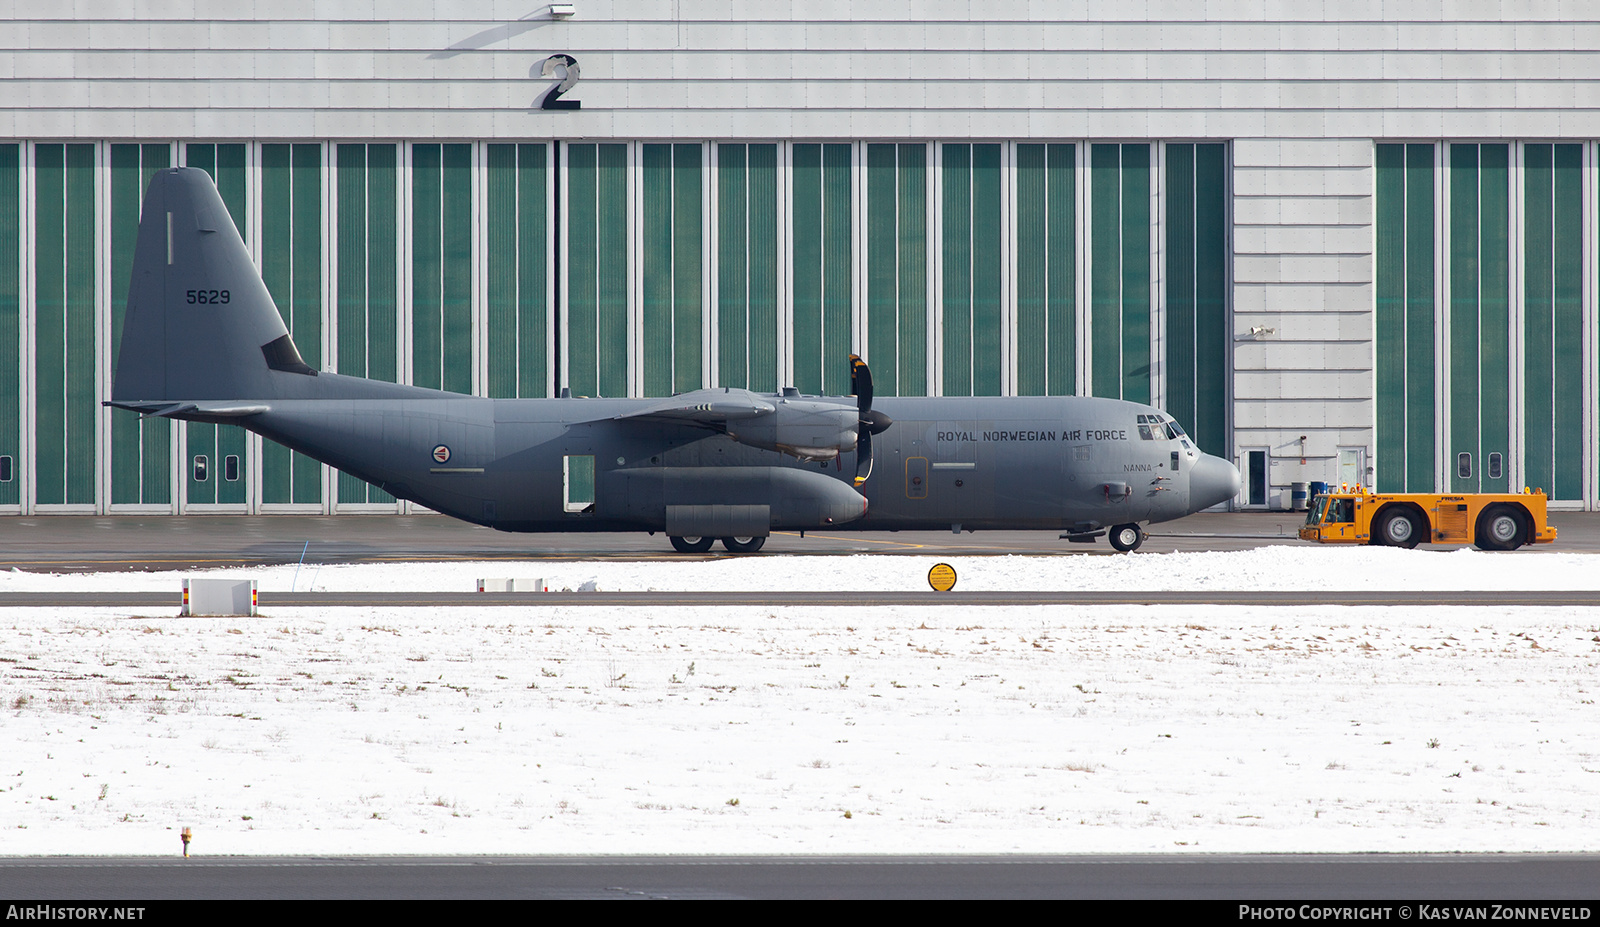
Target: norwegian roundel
[{"x": 441, "y": 453}]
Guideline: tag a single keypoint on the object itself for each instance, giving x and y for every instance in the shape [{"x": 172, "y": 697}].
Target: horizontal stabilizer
[{"x": 193, "y": 411}]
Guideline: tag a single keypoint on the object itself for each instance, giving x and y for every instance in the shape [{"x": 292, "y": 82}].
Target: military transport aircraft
[{"x": 203, "y": 341}]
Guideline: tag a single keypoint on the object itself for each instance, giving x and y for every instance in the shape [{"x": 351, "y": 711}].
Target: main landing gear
[{"x": 699, "y": 545}]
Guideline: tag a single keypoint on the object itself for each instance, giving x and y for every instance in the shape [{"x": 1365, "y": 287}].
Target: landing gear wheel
[
  {"x": 743, "y": 545},
  {"x": 691, "y": 545},
  {"x": 1127, "y": 537},
  {"x": 1399, "y": 528},
  {"x": 1501, "y": 527}
]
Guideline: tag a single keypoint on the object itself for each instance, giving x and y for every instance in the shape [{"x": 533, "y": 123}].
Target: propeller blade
[
  {"x": 861, "y": 383},
  {"x": 863, "y": 456},
  {"x": 868, "y": 422}
]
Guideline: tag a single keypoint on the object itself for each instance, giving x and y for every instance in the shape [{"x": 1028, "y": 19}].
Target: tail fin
[{"x": 200, "y": 323}]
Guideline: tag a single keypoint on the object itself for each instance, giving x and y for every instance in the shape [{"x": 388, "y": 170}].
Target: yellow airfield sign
[{"x": 942, "y": 577}]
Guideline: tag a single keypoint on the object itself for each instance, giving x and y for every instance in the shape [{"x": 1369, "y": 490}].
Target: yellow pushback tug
[{"x": 1493, "y": 521}]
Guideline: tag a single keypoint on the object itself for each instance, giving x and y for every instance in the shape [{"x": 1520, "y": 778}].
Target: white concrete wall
[
  {"x": 804, "y": 68},
  {"x": 1303, "y": 276}
]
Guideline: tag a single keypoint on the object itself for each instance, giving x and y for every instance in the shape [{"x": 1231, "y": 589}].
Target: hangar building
[{"x": 1349, "y": 241}]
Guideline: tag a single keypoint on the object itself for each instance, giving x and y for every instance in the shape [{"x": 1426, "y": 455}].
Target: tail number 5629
[{"x": 208, "y": 296}]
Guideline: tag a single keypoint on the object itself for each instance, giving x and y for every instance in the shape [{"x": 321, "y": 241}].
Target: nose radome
[{"x": 1211, "y": 482}]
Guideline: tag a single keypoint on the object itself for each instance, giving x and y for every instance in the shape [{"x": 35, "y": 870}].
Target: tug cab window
[{"x": 1331, "y": 511}]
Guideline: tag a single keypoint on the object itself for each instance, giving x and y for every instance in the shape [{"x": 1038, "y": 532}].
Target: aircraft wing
[{"x": 712, "y": 409}]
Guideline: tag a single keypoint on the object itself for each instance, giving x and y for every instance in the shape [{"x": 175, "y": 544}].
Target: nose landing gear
[{"x": 1127, "y": 538}]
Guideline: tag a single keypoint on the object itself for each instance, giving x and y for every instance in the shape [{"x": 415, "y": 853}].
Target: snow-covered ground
[
  {"x": 1290, "y": 566},
  {"x": 781, "y": 729}
]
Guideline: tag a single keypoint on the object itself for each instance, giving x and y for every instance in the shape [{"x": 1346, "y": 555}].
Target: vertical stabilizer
[{"x": 200, "y": 323}]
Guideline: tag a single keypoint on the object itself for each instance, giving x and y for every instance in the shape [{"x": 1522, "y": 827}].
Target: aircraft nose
[{"x": 1211, "y": 482}]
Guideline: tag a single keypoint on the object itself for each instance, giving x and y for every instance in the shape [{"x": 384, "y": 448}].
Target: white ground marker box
[
  {"x": 504, "y": 584},
  {"x": 232, "y": 597}
]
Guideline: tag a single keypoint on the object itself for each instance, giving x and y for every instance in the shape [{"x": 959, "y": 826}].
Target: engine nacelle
[{"x": 804, "y": 429}]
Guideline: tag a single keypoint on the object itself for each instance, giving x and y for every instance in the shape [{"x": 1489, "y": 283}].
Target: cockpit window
[{"x": 1159, "y": 428}]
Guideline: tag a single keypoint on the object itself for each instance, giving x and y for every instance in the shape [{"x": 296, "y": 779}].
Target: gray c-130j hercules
[{"x": 202, "y": 341}]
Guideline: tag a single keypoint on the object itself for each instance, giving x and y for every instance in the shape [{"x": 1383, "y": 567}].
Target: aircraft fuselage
[{"x": 1048, "y": 463}]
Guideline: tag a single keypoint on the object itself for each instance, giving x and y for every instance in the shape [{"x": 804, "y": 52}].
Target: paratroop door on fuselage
[{"x": 916, "y": 478}]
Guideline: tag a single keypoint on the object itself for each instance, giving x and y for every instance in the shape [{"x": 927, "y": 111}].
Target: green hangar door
[
  {"x": 1403, "y": 349},
  {"x": 1552, "y": 320},
  {"x": 214, "y": 462},
  {"x": 1478, "y": 320},
  {"x": 11, "y": 461},
  {"x": 291, "y": 266},
  {"x": 65, "y": 404},
  {"x": 141, "y": 449},
  {"x": 1485, "y": 319},
  {"x": 366, "y": 283},
  {"x": 1502, "y": 314}
]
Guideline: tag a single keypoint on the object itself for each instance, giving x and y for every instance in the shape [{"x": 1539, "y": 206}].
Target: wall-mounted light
[{"x": 562, "y": 10}]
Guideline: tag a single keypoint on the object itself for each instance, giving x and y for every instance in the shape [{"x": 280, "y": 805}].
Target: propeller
[{"x": 869, "y": 422}]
